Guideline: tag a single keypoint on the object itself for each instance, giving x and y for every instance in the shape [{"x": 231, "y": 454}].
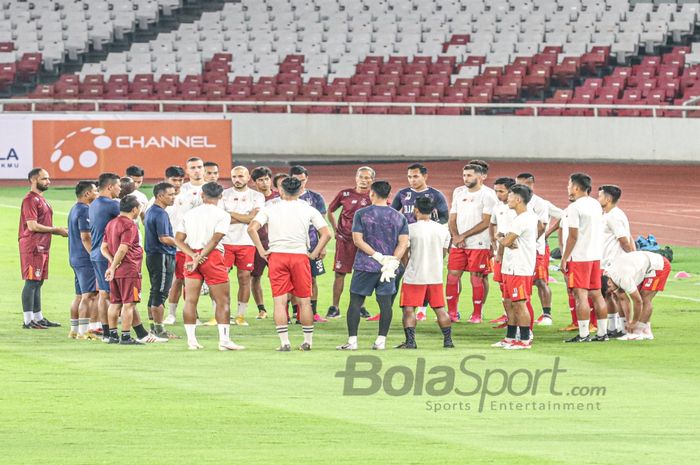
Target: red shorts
[
  {"x": 472, "y": 260},
  {"x": 497, "y": 276},
  {"x": 583, "y": 275},
  {"x": 516, "y": 288},
  {"x": 417, "y": 295},
  {"x": 344, "y": 255},
  {"x": 542, "y": 266},
  {"x": 180, "y": 259},
  {"x": 240, "y": 256},
  {"x": 289, "y": 272},
  {"x": 35, "y": 266},
  {"x": 212, "y": 271},
  {"x": 658, "y": 282},
  {"x": 125, "y": 290}
]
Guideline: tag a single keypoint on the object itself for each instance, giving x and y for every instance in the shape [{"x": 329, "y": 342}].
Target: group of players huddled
[{"x": 197, "y": 232}]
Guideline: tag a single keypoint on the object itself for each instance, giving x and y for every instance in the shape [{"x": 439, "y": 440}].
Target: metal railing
[{"x": 470, "y": 109}]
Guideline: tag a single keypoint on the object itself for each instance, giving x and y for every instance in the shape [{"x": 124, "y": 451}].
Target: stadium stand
[{"x": 431, "y": 52}]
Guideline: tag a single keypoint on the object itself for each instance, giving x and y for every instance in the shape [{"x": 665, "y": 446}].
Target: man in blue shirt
[
  {"x": 381, "y": 236},
  {"x": 315, "y": 200},
  {"x": 160, "y": 255},
  {"x": 101, "y": 212},
  {"x": 79, "y": 245},
  {"x": 405, "y": 201}
]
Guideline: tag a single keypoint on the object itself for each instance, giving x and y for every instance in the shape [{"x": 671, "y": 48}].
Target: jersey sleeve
[
  {"x": 222, "y": 224},
  {"x": 617, "y": 226},
  {"x": 404, "y": 226},
  {"x": 261, "y": 217},
  {"x": 84, "y": 221},
  {"x": 453, "y": 208},
  {"x": 320, "y": 203},
  {"x": 489, "y": 204},
  {"x": 180, "y": 227},
  {"x": 542, "y": 212},
  {"x": 554, "y": 211},
  {"x": 163, "y": 227},
  {"x": 396, "y": 203},
  {"x": 357, "y": 226},
  {"x": 258, "y": 201},
  {"x": 573, "y": 218},
  {"x": 441, "y": 207},
  {"x": 317, "y": 220},
  {"x": 128, "y": 235},
  {"x": 335, "y": 203},
  {"x": 446, "y": 238},
  {"x": 30, "y": 212}
]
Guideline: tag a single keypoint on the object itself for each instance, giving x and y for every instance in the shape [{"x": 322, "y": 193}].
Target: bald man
[{"x": 242, "y": 203}]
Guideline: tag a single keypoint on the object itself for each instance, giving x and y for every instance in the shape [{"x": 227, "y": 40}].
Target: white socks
[
  {"x": 172, "y": 309},
  {"x": 38, "y": 316},
  {"x": 308, "y": 333},
  {"x": 191, "y": 337},
  {"x": 242, "y": 307},
  {"x": 352, "y": 339},
  {"x": 28, "y": 317},
  {"x": 283, "y": 333},
  {"x": 380, "y": 340},
  {"x": 83, "y": 324},
  {"x": 621, "y": 322},
  {"x": 583, "y": 328},
  {"x": 602, "y": 327},
  {"x": 224, "y": 333}
]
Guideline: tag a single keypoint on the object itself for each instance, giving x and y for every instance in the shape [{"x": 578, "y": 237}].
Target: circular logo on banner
[{"x": 80, "y": 147}]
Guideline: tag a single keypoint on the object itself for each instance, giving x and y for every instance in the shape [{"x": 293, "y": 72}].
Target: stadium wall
[{"x": 365, "y": 137}]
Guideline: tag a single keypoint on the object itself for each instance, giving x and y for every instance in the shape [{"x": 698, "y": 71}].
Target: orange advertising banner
[{"x": 70, "y": 149}]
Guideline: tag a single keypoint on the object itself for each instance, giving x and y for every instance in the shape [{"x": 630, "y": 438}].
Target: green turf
[{"x": 80, "y": 402}]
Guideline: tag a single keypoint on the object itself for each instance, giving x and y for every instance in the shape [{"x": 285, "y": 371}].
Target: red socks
[
  {"x": 452, "y": 290},
  {"x": 477, "y": 294}
]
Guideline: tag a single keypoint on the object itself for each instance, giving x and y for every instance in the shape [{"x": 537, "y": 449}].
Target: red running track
[{"x": 659, "y": 199}]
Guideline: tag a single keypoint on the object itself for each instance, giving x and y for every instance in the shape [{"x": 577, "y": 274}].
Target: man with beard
[
  {"x": 35, "y": 231},
  {"x": 242, "y": 203}
]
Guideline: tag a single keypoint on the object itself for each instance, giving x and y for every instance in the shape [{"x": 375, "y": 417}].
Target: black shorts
[
  {"x": 317, "y": 268},
  {"x": 366, "y": 282},
  {"x": 161, "y": 269}
]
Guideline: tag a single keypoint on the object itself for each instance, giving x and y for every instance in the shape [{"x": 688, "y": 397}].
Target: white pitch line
[
  {"x": 15, "y": 207},
  {"x": 679, "y": 297}
]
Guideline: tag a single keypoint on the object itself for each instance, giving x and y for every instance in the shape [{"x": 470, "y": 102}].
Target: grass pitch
[{"x": 81, "y": 402}]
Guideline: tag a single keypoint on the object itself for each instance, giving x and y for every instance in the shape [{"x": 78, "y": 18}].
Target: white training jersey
[
  {"x": 427, "y": 240},
  {"x": 201, "y": 223},
  {"x": 470, "y": 207},
  {"x": 233, "y": 201},
  {"x": 615, "y": 226},
  {"x": 540, "y": 207},
  {"x": 288, "y": 225},
  {"x": 502, "y": 216},
  {"x": 586, "y": 215},
  {"x": 520, "y": 261},
  {"x": 190, "y": 196},
  {"x": 628, "y": 270}
]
